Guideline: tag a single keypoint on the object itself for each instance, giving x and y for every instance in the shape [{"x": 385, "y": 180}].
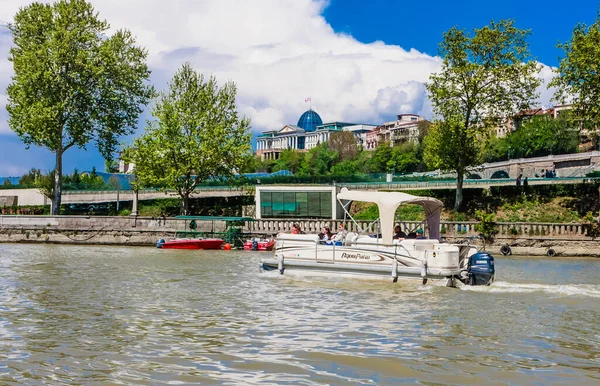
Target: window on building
[{"x": 295, "y": 204}]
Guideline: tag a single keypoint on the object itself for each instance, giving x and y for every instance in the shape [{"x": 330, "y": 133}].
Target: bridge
[
  {"x": 27, "y": 197},
  {"x": 565, "y": 165}
]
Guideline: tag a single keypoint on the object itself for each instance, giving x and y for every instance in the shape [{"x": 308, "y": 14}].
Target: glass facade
[
  {"x": 296, "y": 204},
  {"x": 310, "y": 120}
]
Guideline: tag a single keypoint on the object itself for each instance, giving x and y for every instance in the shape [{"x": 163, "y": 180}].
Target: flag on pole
[{"x": 307, "y": 100}]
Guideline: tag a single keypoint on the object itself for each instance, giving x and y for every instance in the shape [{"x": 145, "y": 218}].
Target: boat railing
[{"x": 338, "y": 244}]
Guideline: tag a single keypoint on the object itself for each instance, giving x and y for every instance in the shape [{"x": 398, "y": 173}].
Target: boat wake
[{"x": 588, "y": 290}]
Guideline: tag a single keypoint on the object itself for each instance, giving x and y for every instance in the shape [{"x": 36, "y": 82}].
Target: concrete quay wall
[{"x": 523, "y": 238}]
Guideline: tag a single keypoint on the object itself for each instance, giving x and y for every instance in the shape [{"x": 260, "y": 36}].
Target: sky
[{"x": 358, "y": 61}]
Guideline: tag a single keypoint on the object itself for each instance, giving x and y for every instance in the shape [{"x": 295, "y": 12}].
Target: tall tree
[
  {"x": 345, "y": 144},
  {"x": 197, "y": 134},
  {"x": 484, "y": 78},
  {"x": 578, "y": 79},
  {"x": 72, "y": 83}
]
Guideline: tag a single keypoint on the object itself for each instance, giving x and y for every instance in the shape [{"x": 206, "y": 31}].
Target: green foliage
[
  {"x": 380, "y": 159},
  {"x": 28, "y": 179},
  {"x": 484, "y": 78},
  {"x": 410, "y": 213},
  {"x": 578, "y": 80},
  {"x": 7, "y": 183},
  {"x": 289, "y": 160},
  {"x": 151, "y": 211},
  {"x": 72, "y": 83},
  {"x": 197, "y": 134},
  {"x": 487, "y": 225},
  {"x": 111, "y": 166},
  {"x": 345, "y": 168},
  {"x": 45, "y": 184},
  {"x": 495, "y": 149},
  {"x": 592, "y": 226},
  {"x": 543, "y": 135},
  {"x": 371, "y": 212},
  {"x": 318, "y": 161}
]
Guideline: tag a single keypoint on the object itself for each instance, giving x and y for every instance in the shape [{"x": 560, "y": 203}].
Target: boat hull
[
  {"x": 261, "y": 245},
  {"x": 192, "y": 244},
  {"x": 416, "y": 259}
]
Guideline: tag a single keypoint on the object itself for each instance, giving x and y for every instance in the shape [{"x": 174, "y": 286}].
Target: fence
[{"x": 567, "y": 231}]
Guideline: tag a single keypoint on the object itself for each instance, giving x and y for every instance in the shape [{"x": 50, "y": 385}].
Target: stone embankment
[{"x": 522, "y": 238}]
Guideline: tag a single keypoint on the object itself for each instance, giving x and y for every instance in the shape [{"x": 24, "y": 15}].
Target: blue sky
[
  {"x": 361, "y": 61},
  {"x": 420, "y": 24}
]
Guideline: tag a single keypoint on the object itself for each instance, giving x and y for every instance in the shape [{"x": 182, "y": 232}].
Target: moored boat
[
  {"x": 259, "y": 245},
  {"x": 199, "y": 243}
]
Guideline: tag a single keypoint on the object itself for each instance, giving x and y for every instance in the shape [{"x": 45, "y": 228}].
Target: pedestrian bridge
[
  {"x": 565, "y": 165},
  {"x": 34, "y": 197}
]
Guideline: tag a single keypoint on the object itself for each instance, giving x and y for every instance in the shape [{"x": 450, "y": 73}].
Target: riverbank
[{"x": 530, "y": 239}]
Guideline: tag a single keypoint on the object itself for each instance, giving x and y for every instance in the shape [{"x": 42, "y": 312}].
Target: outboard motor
[
  {"x": 255, "y": 245},
  {"x": 160, "y": 243},
  {"x": 480, "y": 269}
]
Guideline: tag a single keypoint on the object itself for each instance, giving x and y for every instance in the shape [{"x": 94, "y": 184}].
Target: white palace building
[{"x": 307, "y": 134}]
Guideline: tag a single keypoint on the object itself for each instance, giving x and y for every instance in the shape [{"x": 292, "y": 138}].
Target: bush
[{"x": 486, "y": 226}]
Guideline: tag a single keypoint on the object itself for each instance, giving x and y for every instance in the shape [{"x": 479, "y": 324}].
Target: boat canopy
[{"x": 388, "y": 202}]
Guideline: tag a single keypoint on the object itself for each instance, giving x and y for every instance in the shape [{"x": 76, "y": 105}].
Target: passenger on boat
[
  {"x": 341, "y": 235},
  {"x": 296, "y": 229},
  {"x": 398, "y": 234},
  {"x": 420, "y": 234},
  {"x": 325, "y": 234}
]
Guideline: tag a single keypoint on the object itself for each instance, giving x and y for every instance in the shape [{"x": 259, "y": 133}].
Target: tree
[
  {"x": 484, "y": 78},
  {"x": 7, "y": 183},
  {"x": 318, "y": 161},
  {"x": 72, "y": 83},
  {"x": 578, "y": 79},
  {"x": 405, "y": 158},
  {"x": 543, "y": 135},
  {"x": 379, "y": 161},
  {"x": 289, "y": 159},
  {"x": 197, "y": 134},
  {"x": 45, "y": 184},
  {"x": 344, "y": 143},
  {"x": 29, "y": 178}
]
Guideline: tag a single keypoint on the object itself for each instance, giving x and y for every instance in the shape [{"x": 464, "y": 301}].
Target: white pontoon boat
[{"x": 361, "y": 254}]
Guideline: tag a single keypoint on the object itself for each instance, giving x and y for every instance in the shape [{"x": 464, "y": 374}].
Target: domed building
[
  {"x": 309, "y": 120},
  {"x": 308, "y": 133}
]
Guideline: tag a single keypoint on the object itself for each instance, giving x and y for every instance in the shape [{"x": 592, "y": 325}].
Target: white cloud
[{"x": 277, "y": 51}]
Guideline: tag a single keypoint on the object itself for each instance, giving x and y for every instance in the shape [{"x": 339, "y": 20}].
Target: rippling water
[{"x": 98, "y": 315}]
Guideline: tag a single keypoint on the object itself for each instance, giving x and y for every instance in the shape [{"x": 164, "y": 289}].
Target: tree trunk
[
  {"x": 185, "y": 201},
  {"x": 57, "y": 194},
  {"x": 459, "y": 191}
]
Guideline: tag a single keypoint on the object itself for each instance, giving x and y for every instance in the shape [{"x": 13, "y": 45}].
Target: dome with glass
[{"x": 310, "y": 120}]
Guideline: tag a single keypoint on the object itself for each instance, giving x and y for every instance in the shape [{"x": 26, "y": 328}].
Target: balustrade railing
[{"x": 505, "y": 230}]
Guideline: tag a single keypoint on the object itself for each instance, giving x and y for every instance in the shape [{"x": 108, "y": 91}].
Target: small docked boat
[
  {"x": 382, "y": 256},
  {"x": 191, "y": 238},
  {"x": 259, "y": 245},
  {"x": 190, "y": 244}
]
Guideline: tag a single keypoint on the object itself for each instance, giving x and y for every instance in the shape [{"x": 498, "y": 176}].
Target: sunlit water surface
[{"x": 98, "y": 315}]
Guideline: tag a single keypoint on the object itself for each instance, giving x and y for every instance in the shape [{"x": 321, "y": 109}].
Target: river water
[{"x": 132, "y": 315}]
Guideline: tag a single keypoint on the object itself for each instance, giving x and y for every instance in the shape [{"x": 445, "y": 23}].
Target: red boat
[
  {"x": 190, "y": 244},
  {"x": 256, "y": 245}
]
